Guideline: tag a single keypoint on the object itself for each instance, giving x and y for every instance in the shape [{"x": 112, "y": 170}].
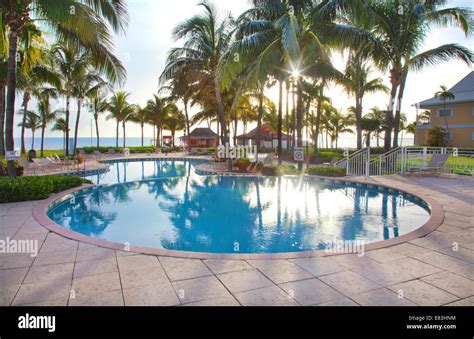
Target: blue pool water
[{"x": 177, "y": 209}]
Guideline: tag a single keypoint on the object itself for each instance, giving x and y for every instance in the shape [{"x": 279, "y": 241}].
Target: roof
[
  {"x": 203, "y": 133},
  {"x": 463, "y": 92},
  {"x": 265, "y": 133}
]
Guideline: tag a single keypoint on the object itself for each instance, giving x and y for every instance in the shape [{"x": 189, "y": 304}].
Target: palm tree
[
  {"x": 357, "y": 83},
  {"x": 411, "y": 128},
  {"x": 85, "y": 85},
  {"x": 99, "y": 105},
  {"x": 156, "y": 112},
  {"x": 370, "y": 126},
  {"x": 45, "y": 116},
  {"x": 88, "y": 27},
  {"x": 33, "y": 122},
  {"x": 60, "y": 125},
  {"x": 121, "y": 111},
  {"x": 443, "y": 95},
  {"x": 339, "y": 124},
  {"x": 206, "y": 40},
  {"x": 174, "y": 121},
  {"x": 377, "y": 114},
  {"x": 141, "y": 117}
]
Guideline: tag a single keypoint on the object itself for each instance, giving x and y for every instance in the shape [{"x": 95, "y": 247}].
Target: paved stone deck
[{"x": 435, "y": 270}]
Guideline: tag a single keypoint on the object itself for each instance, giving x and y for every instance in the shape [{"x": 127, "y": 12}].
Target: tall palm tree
[
  {"x": 85, "y": 85},
  {"x": 32, "y": 122},
  {"x": 174, "y": 121},
  {"x": 46, "y": 117},
  {"x": 60, "y": 125},
  {"x": 358, "y": 84},
  {"x": 141, "y": 117},
  {"x": 444, "y": 94},
  {"x": 378, "y": 115},
  {"x": 156, "y": 113},
  {"x": 99, "y": 105},
  {"x": 120, "y": 110},
  {"x": 339, "y": 124},
  {"x": 206, "y": 38},
  {"x": 88, "y": 27}
]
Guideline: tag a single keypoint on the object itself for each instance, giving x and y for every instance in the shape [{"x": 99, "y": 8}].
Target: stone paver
[
  {"x": 199, "y": 289},
  {"x": 181, "y": 269},
  {"x": 280, "y": 271},
  {"x": 244, "y": 280},
  {"x": 349, "y": 283},
  {"x": 434, "y": 270},
  {"x": 310, "y": 292},
  {"x": 423, "y": 294},
  {"x": 268, "y": 296}
]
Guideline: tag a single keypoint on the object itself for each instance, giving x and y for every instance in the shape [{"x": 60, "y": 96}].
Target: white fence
[{"x": 406, "y": 159}]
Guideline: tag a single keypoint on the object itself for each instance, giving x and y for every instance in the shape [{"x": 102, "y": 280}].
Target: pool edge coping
[{"x": 39, "y": 213}]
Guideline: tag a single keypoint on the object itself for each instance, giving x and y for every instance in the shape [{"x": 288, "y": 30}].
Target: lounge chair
[
  {"x": 332, "y": 163},
  {"x": 193, "y": 151},
  {"x": 43, "y": 164},
  {"x": 111, "y": 151},
  {"x": 437, "y": 163},
  {"x": 97, "y": 155}
]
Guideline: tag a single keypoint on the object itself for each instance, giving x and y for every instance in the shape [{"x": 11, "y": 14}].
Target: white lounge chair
[{"x": 436, "y": 164}]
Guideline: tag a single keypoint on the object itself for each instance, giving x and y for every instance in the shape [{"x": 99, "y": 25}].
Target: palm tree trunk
[
  {"x": 318, "y": 126},
  {"x": 32, "y": 139},
  {"x": 96, "y": 118},
  {"x": 26, "y": 99},
  {"x": 68, "y": 99},
  {"x": 76, "y": 128},
  {"x": 188, "y": 129},
  {"x": 398, "y": 110},
  {"x": 117, "y": 127},
  {"x": 43, "y": 129},
  {"x": 389, "y": 114},
  {"x": 358, "y": 121},
  {"x": 293, "y": 127},
  {"x": 287, "y": 115},
  {"x": 299, "y": 119},
  {"x": 280, "y": 120},
  {"x": 259, "y": 119},
  {"x": 11, "y": 85},
  {"x": 124, "y": 135},
  {"x": 220, "y": 111},
  {"x": 142, "y": 126},
  {"x": 172, "y": 138},
  {"x": 2, "y": 119}
]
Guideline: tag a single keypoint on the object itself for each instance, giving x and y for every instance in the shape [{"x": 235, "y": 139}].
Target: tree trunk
[
  {"x": 389, "y": 113},
  {"x": 26, "y": 100},
  {"x": 43, "y": 129},
  {"x": 358, "y": 117},
  {"x": 68, "y": 99},
  {"x": 259, "y": 119},
  {"x": 158, "y": 144},
  {"x": 188, "y": 129},
  {"x": 124, "y": 135},
  {"x": 10, "y": 109},
  {"x": 96, "y": 118},
  {"x": 220, "y": 111},
  {"x": 33, "y": 139},
  {"x": 398, "y": 113},
  {"x": 280, "y": 121},
  {"x": 2, "y": 119},
  {"x": 299, "y": 120},
  {"x": 293, "y": 124},
  {"x": 117, "y": 127},
  {"x": 287, "y": 115},
  {"x": 318, "y": 126},
  {"x": 142, "y": 126},
  {"x": 76, "y": 128}
]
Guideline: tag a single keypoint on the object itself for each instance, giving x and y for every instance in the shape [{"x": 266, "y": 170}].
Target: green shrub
[
  {"x": 279, "y": 170},
  {"x": 19, "y": 169},
  {"x": 133, "y": 150},
  {"x": 36, "y": 188},
  {"x": 327, "y": 171}
]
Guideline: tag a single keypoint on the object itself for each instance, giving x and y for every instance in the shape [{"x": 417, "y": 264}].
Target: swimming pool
[{"x": 177, "y": 209}]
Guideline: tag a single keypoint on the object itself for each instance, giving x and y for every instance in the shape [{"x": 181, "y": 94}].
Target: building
[
  {"x": 200, "y": 138},
  {"x": 458, "y": 113},
  {"x": 268, "y": 138}
]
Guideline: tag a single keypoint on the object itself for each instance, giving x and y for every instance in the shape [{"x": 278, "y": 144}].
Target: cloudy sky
[{"x": 144, "y": 48}]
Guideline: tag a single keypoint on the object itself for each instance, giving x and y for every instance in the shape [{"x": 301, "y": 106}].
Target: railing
[
  {"x": 402, "y": 160},
  {"x": 356, "y": 164}
]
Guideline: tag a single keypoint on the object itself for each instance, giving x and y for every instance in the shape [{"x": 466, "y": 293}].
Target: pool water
[{"x": 189, "y": 212}]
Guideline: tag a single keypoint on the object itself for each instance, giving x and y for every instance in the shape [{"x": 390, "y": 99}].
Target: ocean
[{"x": 58, "y": 143}]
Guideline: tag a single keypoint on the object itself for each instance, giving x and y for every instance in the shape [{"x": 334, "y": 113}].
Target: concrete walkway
[{"x": 435, "y": 270}]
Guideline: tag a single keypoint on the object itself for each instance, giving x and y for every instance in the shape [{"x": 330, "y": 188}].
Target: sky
[{"x": 144, "y": 48}]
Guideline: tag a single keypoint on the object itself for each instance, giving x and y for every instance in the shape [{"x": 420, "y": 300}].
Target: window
[{"x": 445, "y": 113}]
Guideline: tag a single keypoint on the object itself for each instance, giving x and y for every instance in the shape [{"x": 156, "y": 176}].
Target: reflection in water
[{"x": 222, "y": 214}]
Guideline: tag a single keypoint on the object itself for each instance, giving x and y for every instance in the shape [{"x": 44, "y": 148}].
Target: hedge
[
  {"x": 104, "y": 150},
  {"x": 327, "y": 171},
  {"x": 36, "y": 188}
]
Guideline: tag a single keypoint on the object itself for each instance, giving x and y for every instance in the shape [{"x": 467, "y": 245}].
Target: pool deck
[{"x": 437, "y": 269}]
